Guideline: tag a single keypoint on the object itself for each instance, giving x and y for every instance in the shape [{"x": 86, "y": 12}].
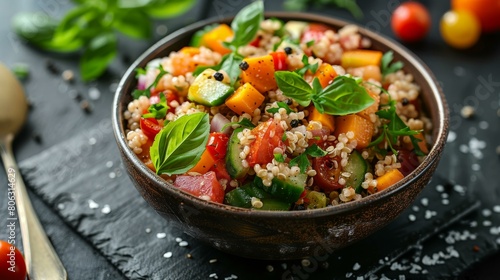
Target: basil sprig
[
  {"x": 158, "y": 110},
  {"x": 180, "y": 144},
  {"x": 303, "y": 162},
  {"x": 147, "y": 91},
  {"x": 246, "y": 24},
  {"x": 342, "y": 97}
]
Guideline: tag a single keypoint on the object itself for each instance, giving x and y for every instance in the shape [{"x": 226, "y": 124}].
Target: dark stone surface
[{"x": 468, "y": 78}]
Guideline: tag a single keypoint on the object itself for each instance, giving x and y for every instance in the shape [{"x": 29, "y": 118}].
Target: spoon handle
[{"x": 41, "y": 260}]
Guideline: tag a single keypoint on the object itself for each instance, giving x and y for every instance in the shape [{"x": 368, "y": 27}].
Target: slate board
[{"x": 83, "y": 180}]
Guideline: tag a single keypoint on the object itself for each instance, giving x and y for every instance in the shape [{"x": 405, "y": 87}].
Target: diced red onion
[
  {"x": 141, "y": 82},
  {"x": 218, "y": 122}
]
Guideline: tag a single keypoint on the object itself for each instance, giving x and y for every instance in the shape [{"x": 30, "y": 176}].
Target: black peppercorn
[
  {"x": 288, "y": 50},
  {"x": 405, "y": 101},
  {"x": 244, "y": 65},
  {"x": 295, "y": 123},
  {"x": 219, "y": 76},
  {"x": 289, "y": 102}
]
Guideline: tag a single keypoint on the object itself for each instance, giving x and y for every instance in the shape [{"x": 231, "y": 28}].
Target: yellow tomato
[{"x": 460, "y": 29}]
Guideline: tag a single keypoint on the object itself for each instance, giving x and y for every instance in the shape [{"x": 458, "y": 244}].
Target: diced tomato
[
  {"x": 319, "y": 136},
  {"x": 328, "y": 171},
  {"x": 150, "y": 127},
  {"x": 279, "y": 59},
  {"x": 217, "y": 144},
  {"x": 314, "y": 32},
  {"x": 256, "y": 42},
  {"x": 204, "y": 186},
  {"x": 220, "y": 170},
  {"x": 268, "y": 136}
]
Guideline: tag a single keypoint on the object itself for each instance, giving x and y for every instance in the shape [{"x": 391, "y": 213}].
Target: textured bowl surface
[{"x": 291, "y": 234}]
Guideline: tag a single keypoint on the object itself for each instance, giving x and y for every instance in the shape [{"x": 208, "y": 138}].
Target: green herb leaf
[
  {"x": 243, "y": 123},
  {"x": 179, "y": 145},
  {"x": 311, "y": 67},
  {"x": 230, "y": 63},
  {"x": 302, "y": 160},
  {"x": 280, "y": 104},
  {"x": 343, "y": 96},
  {"x": 158, "y": 110},
  {"x": 95, "y": 59},
  {"x": 167, "y": 8},
  {"x": 294, "y": 86},
  {"x": 147, "y": 91},
  {"x": 386, "y": 66},
  {"x": 350, "y": 5},
  {"x": 279, "y": 157},
  {"x": 132, "y": 23},
  {"x": 246, "y": 24},
  {"x": 37, "y": 29},
  {"x": 77, "y": 27}
]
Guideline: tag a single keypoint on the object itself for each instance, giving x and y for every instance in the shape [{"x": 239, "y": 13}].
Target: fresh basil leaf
[
  {"x": 158, "y": 110},
  {"x": 311, "y": 67},
  {"x": 168, "y": 8},
  {"x": 350, "y": 5},
  {"x": 95, "y": 59},
  {"x": 70, "y": 29},
  {"x": 294, "y": 86},
  {"x": 246, "y": 24},
  {"x": 310, "y": 43},
  {"x": 386, "y": 66},
  {"x": 230, "y": 63},
  {"x": 36, "y": 28},
  {"x": 139, "y": 72},
  {"x": 180, "y": 144},
  {"x": 342, "y": 97},
  {"x": 132, "y": 23},
  {"x": 303, "y": 162},
  {"x": 315, "y": 151},
  {"x": 243, "y": 123}
]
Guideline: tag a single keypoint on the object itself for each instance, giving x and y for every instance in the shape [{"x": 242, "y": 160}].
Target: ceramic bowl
[{"x": 287, "y": 234}]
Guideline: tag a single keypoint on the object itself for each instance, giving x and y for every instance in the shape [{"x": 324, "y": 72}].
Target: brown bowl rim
[{"x": 439, "y": 134}]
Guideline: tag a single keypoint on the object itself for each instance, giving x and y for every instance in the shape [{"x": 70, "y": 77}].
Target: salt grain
[
  {"x": 467, "y": 112},
  {"x": 92, "y": 141},
  {"x": 112, "y": 175},
  {"x": 415, "y": 208},
  {"x": 486, "y": 223},
  {"x": 60, "y": 206},
  {"x": 496, "y": 208},
  {"x": 167, "y": 255},
  {"x": 356, "y": 266},
  {"x": 445, "y": 201},
  {"x": 183, "y": 244},
  {"x": 106, "y": 209},
  {"x": 212, "y": 261},
  {"x": 94, "y": 93},
  {"x": 475, "y": 167},
  {"x": 270, "y": 268},
  {"x": 464, "y": 148},
  {"x": 148, "y": 230},
  {"x": 459, "y": 189},
  {"x": 213, "y": 275},
  {"x": 429, "y": 214},
  {"x": 498, "y": 240},
  {"x": 109, "y": 164},
  {"x": 473, "y": 224},
  {"x": 178, "y": 239},
  {"x": 494, "y": 230},
  {"x": 444, "y": 195},
  {"x": 161, "y": 235},
  {"x": 486, "y": 212},
  {"x": 452, "y": 136},
  {"x": 440, "y": 188},
  {"x": 93, "y": 204},
  {"x": 425, "y": 201},
  {"x": 412, "y": 217}
]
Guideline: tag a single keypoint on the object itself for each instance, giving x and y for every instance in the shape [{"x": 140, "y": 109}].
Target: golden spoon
[{"x": 42, "y": 261}]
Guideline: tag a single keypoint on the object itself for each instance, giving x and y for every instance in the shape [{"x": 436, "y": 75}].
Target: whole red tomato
[
  {"x": 486, "y": 11},
  {"x": 12, "y": 265},
  {"x": 411, "y": 21}
]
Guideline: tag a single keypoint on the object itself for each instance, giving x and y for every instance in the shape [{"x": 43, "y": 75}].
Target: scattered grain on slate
[
  {"x": 429, "y": 214},
  {"x": 93, "y": 204},
  {"x": 473, "y": 224},
  {"x": 212, "y": 261},
  {"x": 148, "y": 230},
  {"x": 161, "y": 235},
  {"x": 85, "y": 106},
  {"x": 459, "y": 189},
  {"x": 189, "y": 256},
  {"x": 425, "y": 201},
  {"x": 486, "y": 212},
  {"x": 94, "y": 93},
  {"x": 412, "y": 218},
  {"x": 183, "y": 244},
  {"x": 445, "y": 202},
  {"x": 68, "y": 76},
  {"x": 112, "y": 175},
  {"x": 440, "y": 188},
  {"x": 109, "y": 164},
  {"x": 270, "y": 268},
  {"x": 49, "y": 64},
  {"x": 467, "y": 112},
  {"x": 496, "y": 208},
  {"x": 498, "y": 150},
  {"x": 495, "y": 230},
  {"x": 213, "y": 275},
  {"x": 178, "y": 239},
  {"x": 60, "y": 206},
  {"x": 415, "y": 208},
  {"x": 106, "y": 209},
  {"x": 483, "y": 125},
  {"x": 356, "y": 266},
  {"x": 444, "y": 195},
  {"x": 167, "y": 255},
  {"x": 92, "y": 141},
  {"x": 486, "y": 223}
]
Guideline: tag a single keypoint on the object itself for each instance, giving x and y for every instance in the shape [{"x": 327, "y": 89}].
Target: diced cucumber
[
  {"x": 357, "y": 166},
  {"x": 295, "y": 28},
  {"x": 316, "y": 200},
  {"x": 287, "y": 190},
  {"x": 239, "y": 198},
  {"x": 207, "y": 91},
  {"x": 234, "y": 165}
]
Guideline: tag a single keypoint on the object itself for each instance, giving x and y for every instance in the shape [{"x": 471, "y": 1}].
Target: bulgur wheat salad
[{"x": 273, "y": 115}]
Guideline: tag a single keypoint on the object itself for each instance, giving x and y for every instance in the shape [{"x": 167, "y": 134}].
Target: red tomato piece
[
  {"x": 328, "y": 172},
  {"x": 150, "y": 127},
  {"x": 319, "y": 136},
  {"x": 12, "y": 265},
  {"x": 217, "y": 145},
  {"x": 204, "y": 186},
  {"x": 409, "y": 161},
  {"x": 411, "y": 21},
  {"x": 279, "y": 59},
  {"x": 256, "y": 42},
  {"x": 268, "y": 136},
  {"x": 220, "y": 170},
  {"x": 314, "y": 32}
]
